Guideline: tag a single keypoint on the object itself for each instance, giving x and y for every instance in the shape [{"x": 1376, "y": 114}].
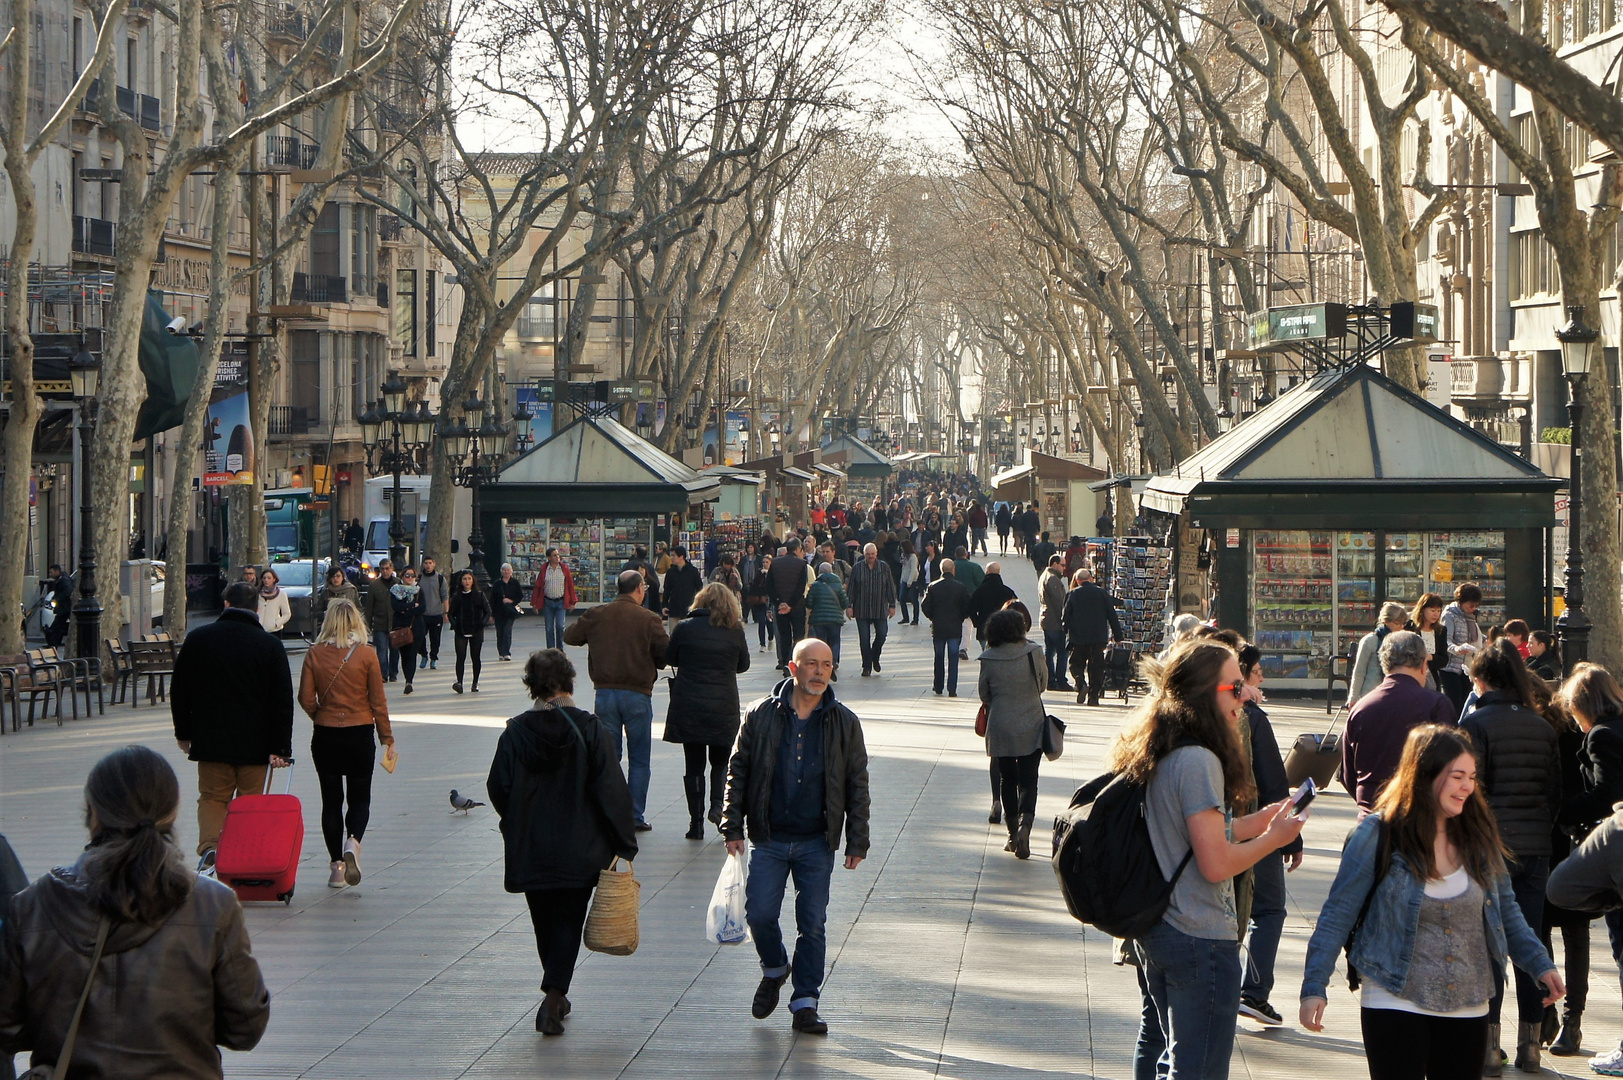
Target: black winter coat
[
  {"x": 988, "y": 599},
  {"x": 946, "y": 604},
  {"x": 409, "y": 613},
  {"x": 682, "y": 584},
  {"x": 468, "y": 612},
  {"x": 232, "y": 692},
  {"x": 1090, "y": 616},
  {"x": 1519, "y": 767},
  {"x": 1267, "y": 766},
  {"x": 564, "y": 804},
  {"x": 704, "y": 693},
  {"x": 1600, "y": 760}
]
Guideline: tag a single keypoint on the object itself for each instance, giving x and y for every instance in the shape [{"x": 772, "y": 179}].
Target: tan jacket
[{"x": 336, "y": 694}]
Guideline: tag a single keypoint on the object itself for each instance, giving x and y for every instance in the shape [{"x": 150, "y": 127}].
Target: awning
[
  {"x": 598, "y": 466},
  {"x": 1009, "y": 476},
  {"x": 829, "y": 470},
  {"x": 798, "y": 474}
]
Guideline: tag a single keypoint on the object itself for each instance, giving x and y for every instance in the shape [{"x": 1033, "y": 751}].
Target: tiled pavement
[{"x": 947, "y": 956}]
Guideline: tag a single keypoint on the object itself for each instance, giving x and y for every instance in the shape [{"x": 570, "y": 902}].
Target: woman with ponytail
[{"x": 164, "y": 952}]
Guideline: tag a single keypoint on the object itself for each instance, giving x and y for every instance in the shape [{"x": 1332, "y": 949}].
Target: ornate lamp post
[
  {"x": 396, "y": 435},
  {"x": 84, "y": 372},
  {"x": 473, "y": 449},
  {"x": 1580, "y": 348}
]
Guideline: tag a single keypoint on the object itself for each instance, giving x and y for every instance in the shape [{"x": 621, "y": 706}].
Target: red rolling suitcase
[{"x": 261, "y": 844}]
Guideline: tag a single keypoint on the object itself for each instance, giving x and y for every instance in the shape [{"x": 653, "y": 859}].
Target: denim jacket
[{"x": 1385, "y": 945}]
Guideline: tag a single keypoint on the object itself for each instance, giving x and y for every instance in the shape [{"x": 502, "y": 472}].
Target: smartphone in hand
[{"x": 1303, "y": 797}]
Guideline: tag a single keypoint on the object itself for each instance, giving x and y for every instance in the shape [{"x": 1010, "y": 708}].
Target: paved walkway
[{"x": 947, "y": 956}]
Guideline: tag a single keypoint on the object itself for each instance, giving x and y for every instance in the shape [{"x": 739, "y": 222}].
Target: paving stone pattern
[{"x": 947, "y": 956}]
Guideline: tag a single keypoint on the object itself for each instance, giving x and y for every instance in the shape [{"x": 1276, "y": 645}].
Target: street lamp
[
  {"x": 1580, "y": 348},
  {"x": 473, "y": 448},
  {"x": 396, "y": 434},
  {"x": 84, "y": 373}
]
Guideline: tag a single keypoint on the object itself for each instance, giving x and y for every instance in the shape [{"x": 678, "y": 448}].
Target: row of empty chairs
[{"x": 49, "y": 680}]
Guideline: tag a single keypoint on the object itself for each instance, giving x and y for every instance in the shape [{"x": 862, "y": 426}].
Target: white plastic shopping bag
[{"x": 725, "y": 924}]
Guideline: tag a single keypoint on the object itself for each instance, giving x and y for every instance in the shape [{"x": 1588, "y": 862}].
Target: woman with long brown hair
[
  {"x": 1426, "y": 874},
  {"x": 1426, "y": 619},
  {"x": 1184, "y": 745}
]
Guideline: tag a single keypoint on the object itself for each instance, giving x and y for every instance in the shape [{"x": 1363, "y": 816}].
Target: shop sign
[
  {"x": 1414, "y": 322},
  {"x": 1279, "y": 327},
  {"x": 1232, "y": 538},
  {"x": 622, "y": 391}
]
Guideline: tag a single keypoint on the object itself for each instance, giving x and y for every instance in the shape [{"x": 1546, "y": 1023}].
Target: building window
[
  {"x": 324, "y": 260},
  {"x": 132, "y": 51},
  {"x": 363, "y": 250},
  {"x": 1535, "y": 272},
  {"x": 305, "y": 374},
  {"x": 431, "y": 314},
  {"x": 405, "y": 310}
]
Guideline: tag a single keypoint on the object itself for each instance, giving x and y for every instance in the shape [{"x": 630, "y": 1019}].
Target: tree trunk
[
  {"x": 191, "y": 428},
  {"x": 17, "y": 466}
]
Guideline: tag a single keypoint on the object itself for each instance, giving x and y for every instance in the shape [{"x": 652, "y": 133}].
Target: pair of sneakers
[
  {"x": 347, "y": 870},
  {"x": 1609, "y": 1063}
]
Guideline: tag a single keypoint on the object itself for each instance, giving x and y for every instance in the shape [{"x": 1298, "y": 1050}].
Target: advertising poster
[
  {"x": 228, "y": 442},
  {"x": 540, "y": 412}
]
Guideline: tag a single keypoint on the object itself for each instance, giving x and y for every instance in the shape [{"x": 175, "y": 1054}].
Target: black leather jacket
[{"x": 755, "y": 757}]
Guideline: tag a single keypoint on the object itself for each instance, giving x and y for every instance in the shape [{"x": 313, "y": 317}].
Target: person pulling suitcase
[{"x": 231, "y": 700}]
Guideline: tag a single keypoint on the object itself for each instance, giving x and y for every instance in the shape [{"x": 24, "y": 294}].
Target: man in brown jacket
[{"x": 625, "y": 650}]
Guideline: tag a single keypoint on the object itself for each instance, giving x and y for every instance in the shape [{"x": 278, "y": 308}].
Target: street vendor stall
[
  {"x": 866, "y": 469},
  {"x": 1062, "y": 489},
  {"x": 595, "y": 490},
  {"x": 1345, "y": 492}
]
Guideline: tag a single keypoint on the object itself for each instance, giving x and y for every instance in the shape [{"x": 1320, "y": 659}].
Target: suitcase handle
[{"x": 269, "y": 773}]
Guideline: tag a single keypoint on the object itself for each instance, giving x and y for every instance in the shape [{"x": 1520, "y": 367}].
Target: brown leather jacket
[
  {"x": 165, "y": 997},
  {"x": 335, "y": 694},
  {"x": 625, "y": 645}
]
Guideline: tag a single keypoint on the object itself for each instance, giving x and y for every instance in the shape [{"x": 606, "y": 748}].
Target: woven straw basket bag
[{"x": 611, "y": 922}]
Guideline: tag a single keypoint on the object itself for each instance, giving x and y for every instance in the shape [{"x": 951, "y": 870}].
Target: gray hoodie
[{"x": 436, "y": 593}]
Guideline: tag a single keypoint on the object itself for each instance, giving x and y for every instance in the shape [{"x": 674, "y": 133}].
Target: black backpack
[{"x": 1105, "y": 862}]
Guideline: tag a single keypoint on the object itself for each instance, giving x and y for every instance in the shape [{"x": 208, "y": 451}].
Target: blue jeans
[
  {"x": 1527, "y": 879},
  {"x": 812, "y": 864},
  {"x": 1267, "y": 922},
  {"x": 1056, "y": 654},
  {"x": 871, "y": 634},
  {"x": 829, "y": 633},
  {"x": 388, "y": 655},
  {"x": 553, "y": 612},
  {"x": 947, "y": 649},
  {"x": 1192, "y": 991},
  {"x": 635, "y": 713}
]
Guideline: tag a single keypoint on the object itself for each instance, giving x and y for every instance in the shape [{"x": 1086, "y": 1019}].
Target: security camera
[{"x": 177, "y": 325}]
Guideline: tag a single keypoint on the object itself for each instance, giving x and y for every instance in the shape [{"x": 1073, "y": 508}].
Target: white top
[
  {"x": 553, "y": 582},
  {"x": 1378, "y": 997}
]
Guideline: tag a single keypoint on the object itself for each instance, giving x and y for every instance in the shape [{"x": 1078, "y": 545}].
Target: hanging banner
[
  {"x": 538, "y": 399},
  {"x": 228, "y": 443}
]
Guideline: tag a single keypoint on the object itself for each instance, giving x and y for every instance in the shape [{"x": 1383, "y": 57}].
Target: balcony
[
  {"x": 289, "y": 26},
  {"x": 320, "y": 289},
  {"x": 151, "y": 113},
  {"x": 93, "y": 236},
  {"x": 1478, "y": 379},
  {"x": 308, "y": 153},
  {"x": 388, "y": 227},
  {"x": 291, "y": 420},
  {"x": 284, "y": 150},
  {"x": 144, "y": 109}
]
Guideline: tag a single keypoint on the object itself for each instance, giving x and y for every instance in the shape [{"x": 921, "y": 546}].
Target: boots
[
  {"x": 549, "y": 1017},
  {"x": 1571, "y": 1038},
  {"x": 695, "y": 792},
  {"x": 1493, "y": 1061},
  {"x": 996, "y": 816},
  {"x": 718, "y": 787},
  {"x": 1527, "y": 1046},
  {"x": 1550, "y": 1026},
  {"x": 1022, "y": 837}
]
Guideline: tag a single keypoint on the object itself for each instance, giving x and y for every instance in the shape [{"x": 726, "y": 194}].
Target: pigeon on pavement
[{"x": 462, "y": 802}]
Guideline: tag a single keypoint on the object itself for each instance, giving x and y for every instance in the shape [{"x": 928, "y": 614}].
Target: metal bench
[{"x": 153, "y": 661}]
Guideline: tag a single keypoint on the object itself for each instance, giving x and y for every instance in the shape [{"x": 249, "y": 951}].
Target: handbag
[
  {"x": 980, "y": 720},
  {"x": 1053, "y": 737},
  {"x": 611, "y": 921},
  {"x": 65, "y": 1058},
  {"x": 1316, "y": 755},
  {"x": 402, "y": 637}
]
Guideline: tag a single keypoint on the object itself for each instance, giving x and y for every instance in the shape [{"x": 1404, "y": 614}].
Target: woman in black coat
[
  {"x": 709, "y": 651},
  {"x": 406, "y": 601},
  {"x": 467, "y": 613},
  {"x": 565, "y": 814}
]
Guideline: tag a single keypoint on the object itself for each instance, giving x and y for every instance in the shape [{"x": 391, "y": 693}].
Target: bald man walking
[
  {"x": 797, "y": 781},
  {"x": 872, "y": 591}
]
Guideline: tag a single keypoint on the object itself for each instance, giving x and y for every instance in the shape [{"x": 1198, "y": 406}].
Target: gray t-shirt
[{"x": 1186, "y": 782}]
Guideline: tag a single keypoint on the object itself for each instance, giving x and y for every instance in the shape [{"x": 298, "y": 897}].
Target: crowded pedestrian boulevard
[{"x": 946, "y": 957}]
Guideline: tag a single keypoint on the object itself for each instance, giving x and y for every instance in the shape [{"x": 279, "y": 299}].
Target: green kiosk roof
[
  {"x": 597, "y": 466},
  {"x": 1350, "y": 448}
]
